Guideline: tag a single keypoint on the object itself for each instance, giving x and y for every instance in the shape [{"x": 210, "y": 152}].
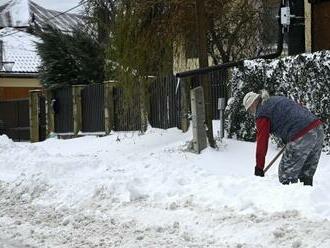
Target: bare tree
[
  {"x": 201, "y": 26},
  {"x": 140, "y": 33}
]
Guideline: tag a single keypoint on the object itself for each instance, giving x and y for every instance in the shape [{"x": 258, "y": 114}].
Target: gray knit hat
[{"x": 249, "y": 99}]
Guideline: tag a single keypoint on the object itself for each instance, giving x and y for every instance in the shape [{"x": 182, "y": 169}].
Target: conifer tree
[{"x": 68, "y": 59}]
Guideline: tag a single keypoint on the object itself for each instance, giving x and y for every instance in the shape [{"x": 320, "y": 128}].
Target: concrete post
[
  {"x": 77, "y": 115},
  {"x": 308, "y": 26},
  {"x": 108, "y": 107},
  {"x": 50, "y": 120},
  {"x": 34, "y": 115}
]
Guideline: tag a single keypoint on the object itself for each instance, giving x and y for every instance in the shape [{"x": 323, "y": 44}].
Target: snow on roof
[
  {"x": 21, "y": 13},
  {"x": 19, "y": 47},
  {"x": 64, "y": 22}
]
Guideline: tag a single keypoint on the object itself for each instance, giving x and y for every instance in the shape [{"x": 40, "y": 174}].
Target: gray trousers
[{"x": 301, "y": 157}]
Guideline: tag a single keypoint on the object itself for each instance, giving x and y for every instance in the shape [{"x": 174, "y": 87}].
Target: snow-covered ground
[{"x": 130, "y": 190}]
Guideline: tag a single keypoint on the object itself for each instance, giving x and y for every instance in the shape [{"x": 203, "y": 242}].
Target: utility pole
[
  {"x": 201, "y": 28},
  {"x": 1, "y": 53}
]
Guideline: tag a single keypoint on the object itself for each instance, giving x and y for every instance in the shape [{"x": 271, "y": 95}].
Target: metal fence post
[
  {"x": 221, "y": 108},
  {"x": 34, "y": 115}
]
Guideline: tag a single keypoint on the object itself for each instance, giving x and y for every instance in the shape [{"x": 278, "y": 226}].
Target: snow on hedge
[{"x": 304, "y": 78}]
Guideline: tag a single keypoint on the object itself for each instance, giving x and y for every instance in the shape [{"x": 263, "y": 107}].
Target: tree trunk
[{"x": 201, "y": 28}]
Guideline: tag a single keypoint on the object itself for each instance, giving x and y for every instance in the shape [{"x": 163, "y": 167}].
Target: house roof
[
  {"x": 23, "y": 13},
  {"x": 19, "y": 47}
]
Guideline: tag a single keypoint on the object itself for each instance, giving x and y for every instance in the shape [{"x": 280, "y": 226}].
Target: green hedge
[{"x": 304, "y": 78}]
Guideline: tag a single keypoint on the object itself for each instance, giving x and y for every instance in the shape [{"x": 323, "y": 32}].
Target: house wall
[
  {"x": 181, "y": 62},
  {"x": 10, "y": 93},
  {"x": 320, "y": 26},
  {"x": 17, "y": 88}
]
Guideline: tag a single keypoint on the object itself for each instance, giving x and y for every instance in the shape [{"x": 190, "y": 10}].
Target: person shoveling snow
[{"x": 299, "y": 129}]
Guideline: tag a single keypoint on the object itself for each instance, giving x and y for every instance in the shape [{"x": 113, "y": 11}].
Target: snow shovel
[{"x": 274, "y": 159}]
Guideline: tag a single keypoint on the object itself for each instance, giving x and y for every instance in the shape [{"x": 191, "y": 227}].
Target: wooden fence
[
  {"x": 99, "y": 108},
  {"x": 14, "y": 119},
  {"x": 218, "y": 80},
  {"x": 165, "y": 103},
  {"x": 42, "y": 118},
  {"x": 168, "y": 105},
  {"x": 92, "y": 105},
  {"x": 62, "y": 99},
  {"x": 127, "y": 110}
]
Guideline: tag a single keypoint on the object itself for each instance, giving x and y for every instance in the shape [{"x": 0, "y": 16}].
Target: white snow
[{"x": 131, "y": 190}]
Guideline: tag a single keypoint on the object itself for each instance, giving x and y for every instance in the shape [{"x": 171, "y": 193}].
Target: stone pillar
[
  {"x": 77, "y": 115},
  {"x": 34, "y": 115},
  {"x": 50, "y": 120},
  {"x": 108, "y": 107},
  {"x": 308, "y": 26}
]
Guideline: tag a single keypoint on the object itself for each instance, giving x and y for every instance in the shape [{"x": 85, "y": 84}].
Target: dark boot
[
  {"x": 308, "y": 181},
  {"x": 290, "y": 181}
]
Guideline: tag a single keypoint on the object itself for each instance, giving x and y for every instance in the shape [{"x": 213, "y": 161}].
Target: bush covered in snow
[{"x": 304, "y": 78}]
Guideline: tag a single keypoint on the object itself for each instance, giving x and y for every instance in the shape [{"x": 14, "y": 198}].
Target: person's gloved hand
[{"x": 259, "y": 172}]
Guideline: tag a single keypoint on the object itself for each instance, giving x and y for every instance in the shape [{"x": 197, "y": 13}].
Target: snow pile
[
  {"x": 6, "y": 143},
  {"x": 130, "y": 190}
]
